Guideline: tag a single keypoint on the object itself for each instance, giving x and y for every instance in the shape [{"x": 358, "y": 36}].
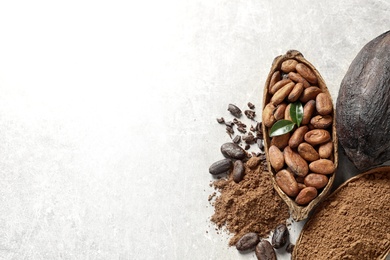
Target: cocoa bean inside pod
[
  {"x": 322, "y": 166},
  {"x": 308, "y": 152},
  {"x": 316, "y": 180},
  {"x": 295, "y": 162},
  {"x": 306, "y": 73},
  {"x": 324, "y": 104},
  {"x": 279, "y": 111},
  {"x": 298, "y": 79},
  {"x": 268, "y": 115},
  {"x": 306, "y": 195},
  {"x": 281, "y": 141},
  {"x": 278, "y": 85},
  {"x": 287, "y": 112},
  {"x": 288, "y": 65},
  {"x": 322, "y": 122},
  {"x": 308, "y": 110},
  {"x": 282, "y": 93},
  {"x": 309, "y": 94},
  {"x": 317, "y": 136},
  {"x": 276, "y": 158},
  {"x": 325, "y": 150},
  {"x": 298, "y": 136},
  {"x": 276, "y": 76},
  {"x": 295, "y": 92},
  {"x": 287, "y": 182}
]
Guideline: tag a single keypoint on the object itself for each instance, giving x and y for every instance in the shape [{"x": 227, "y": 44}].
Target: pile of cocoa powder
[
  {"x": 252, "y": 205},
  {"x": 354, "y": 223}
]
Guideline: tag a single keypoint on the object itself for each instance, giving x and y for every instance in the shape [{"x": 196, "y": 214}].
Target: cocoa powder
[
  {"x": 252, "y": 205},
  {"x": 354, "y": 223}
]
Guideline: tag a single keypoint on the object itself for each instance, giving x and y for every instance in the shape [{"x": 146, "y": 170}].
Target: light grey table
[{"x": 107, "y": 114}]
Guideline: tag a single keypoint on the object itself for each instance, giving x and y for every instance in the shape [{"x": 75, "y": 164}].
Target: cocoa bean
[
  {"x": 276, "y": 158},
  {"x": 265, "y": 251},
  {"x": 234, "y": 110},
  {"x": 306, "y": 73},
  {"x": 317, "y": 136},
  {"x": 295, "y": 162},
  {"x": 287, "y": 112},
  {"x": 278, "y": 85},
  {"x": 268, "y": 115},
  {"x": 297, "y": 137},
  {"x": 316, "y": 180},
  {"x": 324, "y": 104},
  {"x": 280, "y": 141},
  {"x": 274, "y": 78},
  {"x": 308, "y": 110},
  {"x": 288, "y": 65},
  {"x": 282, "y": 93},
  {"x": 295, "y": 92},
  {"x": 233, "y": 151},
  {"x": 287, "y": 183},
  {"x": 322, "y": 122},
  {"x": 309, "y": 94},
  {"x": 325, "y": 150},
  {"x": 322, "y": 166},
  {"x": 308, "y": 152},
  {"x": 238, "y": 171},
  {"x": 296, "y": 77},
  {"x": 280, "y": 236},
  {"x": 306, "y": 195},
  {"x": 221, "y": 166},
  {"x": 279, "y": 111},
  {"x": 248, "y": 242}
]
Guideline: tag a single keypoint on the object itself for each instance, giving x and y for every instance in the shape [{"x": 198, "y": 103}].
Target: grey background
[{"x": 107, "y": 114}]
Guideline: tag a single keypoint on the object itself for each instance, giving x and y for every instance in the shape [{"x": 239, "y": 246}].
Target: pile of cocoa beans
[{"x": 302, "y": 160}]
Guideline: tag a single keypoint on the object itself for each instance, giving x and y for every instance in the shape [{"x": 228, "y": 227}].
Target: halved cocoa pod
[{"x": 310, "y": 74}]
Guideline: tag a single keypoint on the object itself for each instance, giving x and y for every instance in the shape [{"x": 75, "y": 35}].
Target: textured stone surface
[{"x": 107, "y": 114}]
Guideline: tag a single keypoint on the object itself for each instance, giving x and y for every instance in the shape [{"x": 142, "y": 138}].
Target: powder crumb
[
  {"x": 351, "y": 224},
  {"x": 251, "y": 205}
]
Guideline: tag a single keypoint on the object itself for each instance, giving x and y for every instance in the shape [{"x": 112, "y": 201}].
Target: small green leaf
[
  {"x": 281, "y": 127},
  {"x": 296, "y": 112}
]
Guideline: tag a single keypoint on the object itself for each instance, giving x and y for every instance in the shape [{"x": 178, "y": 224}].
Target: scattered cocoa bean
[
  {"x": 238, "y": 171},
  {"x": 233, "y": 151},
  {"x": 220, "y": 166},
  {"x": 234, "y": 110},
  {"x": 248, "y": 242},
  {"x": 265, "y": 251},
  {"x": 280, "y": 236}
]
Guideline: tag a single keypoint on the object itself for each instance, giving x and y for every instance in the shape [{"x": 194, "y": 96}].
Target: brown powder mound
[
  {"x": 251, "y": 205},
  {"x": 354, "y": 223}
]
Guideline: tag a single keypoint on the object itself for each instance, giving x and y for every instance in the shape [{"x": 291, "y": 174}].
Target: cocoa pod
[
  {"x": 322, "y": 166},
  {"x": 278, "y": 85},
  {"x": 306, "y": 73},
  {"x": 280, "y": 141},
  {"x": 221, "y": 166},
  {"x": 297, "y": 137},
  {"x": 324, "y": 104},
  {"x": 282, "y": 93},
  {"x": 321, "y": 122},
  {"x": 248, "y": 242},
  {"x": 309, "y": 94},
  {"x": 288, "y": 65},
  {"x": 307, "y": 152},
  {"x": 287, "y": 183},
  {"x": 316, "y": 180},
  {"x": 306, "y": 195},
  {"x": 295, "y": 162},
  {"x": 317, "y": 136},
  {"x": 279, "y": 111},
  {"x": 363, "y": 105},
  {"x": 308, "y": 110},
  {"x": 268, "y": 115},
  {"x": 325, "y": 150},
  {"x": 276, "y": 158}
]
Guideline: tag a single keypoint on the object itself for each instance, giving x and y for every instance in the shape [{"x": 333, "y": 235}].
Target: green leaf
[
  {"x": 281, "y": 127},
  {"x": 296, "y": 112}
]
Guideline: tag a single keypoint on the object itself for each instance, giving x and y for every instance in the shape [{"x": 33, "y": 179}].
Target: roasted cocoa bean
[
  {"x": 306, "y": 73},
  {"x": 316, "y": 180},
  {"x": 248, "y": 242},
  {"x": 288, "y": 65},
  {"x": 322, "y": 166},
  {"x": 279, "y": 111},
  {"x": 307, "y": 152},
  {"x": 280, "y": 236},
  {"x": 278, "y": 85},
  {"x": 324, "y": 104},
  {"x": 297, "y": 137},
  {"x": 295, "y": 92},
  {"x": 233, "y": 151},
  {"x": 287, "y": 182},
  {"x": 265, "y": 251},
  {"x": 308, "y": 110},
  {"x": 268, "y": 115},
  {"x": 280, "y": 141},
  {"x": 317, "y": 136},
  {"x": 276, "y": 158},
  {"x": 309, "y": 93},
  {"x": 321, "y": 122},
  {"x": 221, "y": 166},
  {"x": 238, "y": 171},
  {"x": 234, "y": 110},
  {"x": 306, "y": 195},
  {"x": 282, "y": 93},
  {"x": 325, "y": 150},
  {"x": 295, "y": 162}
]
